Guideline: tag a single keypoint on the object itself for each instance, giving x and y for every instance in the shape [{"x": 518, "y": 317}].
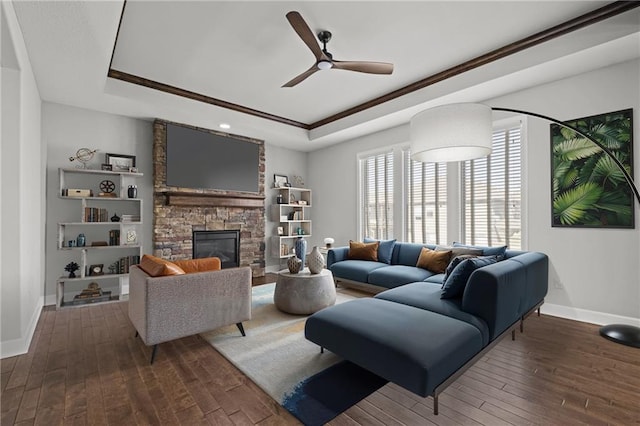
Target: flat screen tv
[{"x": 202, "y": 160}]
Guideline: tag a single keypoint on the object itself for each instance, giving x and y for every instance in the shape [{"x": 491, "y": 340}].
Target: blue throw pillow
[
  {"x": 456, "y": 282},
  {"x": 487, "y": 251},
  {"x": 385, "y": 249},
  {"x": 455, "y": 262}
]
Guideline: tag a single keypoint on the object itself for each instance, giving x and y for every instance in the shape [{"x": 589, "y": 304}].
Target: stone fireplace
[{"x": 179, "y": 213}]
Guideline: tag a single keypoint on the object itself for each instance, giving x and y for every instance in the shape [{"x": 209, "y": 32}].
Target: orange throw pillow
[
  {"x": 157, "y": 267},
  {"x": 434, "y": 261},
  {"x": 199, "y": 265},
  {"x": 363, "y": 251}
]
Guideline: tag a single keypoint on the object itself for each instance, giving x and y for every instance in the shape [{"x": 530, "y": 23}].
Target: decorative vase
[
  {"x": 72, "y": 274},
  {"x": 301, "y": 249},
  {"x": 315, "y": 261},
  {"x": 294, "y": 264},
  {"x": 115, "y": 218},
  {"x": 132, "y": 191},
  {"x": 81, "y": 240}
]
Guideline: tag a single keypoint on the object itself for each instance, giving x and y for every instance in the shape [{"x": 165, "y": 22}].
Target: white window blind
[
  {"x": 376, "y": 192},
  {"x": 426, "y": 201},
  {"x": 492, "y": 193}
]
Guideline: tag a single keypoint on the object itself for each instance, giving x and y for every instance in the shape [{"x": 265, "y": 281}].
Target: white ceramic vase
[{"x": 315, "y": 261}]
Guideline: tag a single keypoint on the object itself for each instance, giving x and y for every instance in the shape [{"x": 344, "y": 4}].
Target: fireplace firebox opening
[{"x": 222, "y": 244}]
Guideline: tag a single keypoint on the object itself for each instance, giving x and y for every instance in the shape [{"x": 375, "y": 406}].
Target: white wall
[
  {"x": 281, "y": 161},
  {"x": 598, "y": 269},
  {"x": 22, "y": 155},
  {"x": 333, "y": 175},
  {"x": 65, "y": 129}
]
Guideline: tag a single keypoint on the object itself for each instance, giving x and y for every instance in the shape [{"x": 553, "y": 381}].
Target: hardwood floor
[{"x": 85, "y": 367}]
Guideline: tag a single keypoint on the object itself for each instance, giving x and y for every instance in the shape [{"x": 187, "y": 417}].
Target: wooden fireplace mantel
[{"x": 212, "y": 200}]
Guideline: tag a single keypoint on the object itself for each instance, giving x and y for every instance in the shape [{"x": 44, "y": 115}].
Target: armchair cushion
[
  {"x": 157, "y": 267},
  {"x": 199, "y": 265}
]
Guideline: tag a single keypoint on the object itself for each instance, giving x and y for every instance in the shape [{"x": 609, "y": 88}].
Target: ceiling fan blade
[
  {"x": 301, "y": 77},
  {"x": 366, "y": 67},
  {"x": 305, "y": 33}
]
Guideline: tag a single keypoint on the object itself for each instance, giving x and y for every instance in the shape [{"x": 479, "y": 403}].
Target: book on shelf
[
  {"x": 95, "y": 214},
  {"x": 114, "y": 237},
  {"x": 130, "y": 218},
  {"x": 123, "y": 264}
]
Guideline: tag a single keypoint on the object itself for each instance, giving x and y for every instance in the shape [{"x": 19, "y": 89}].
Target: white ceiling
[{"x": 242, "y": 52}]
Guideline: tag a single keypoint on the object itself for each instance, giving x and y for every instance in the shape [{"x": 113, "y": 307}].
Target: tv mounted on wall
[{"x": 205, "y": 160}]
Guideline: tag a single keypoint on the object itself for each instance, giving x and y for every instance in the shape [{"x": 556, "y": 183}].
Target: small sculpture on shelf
[{"x": 71, "y": 268}]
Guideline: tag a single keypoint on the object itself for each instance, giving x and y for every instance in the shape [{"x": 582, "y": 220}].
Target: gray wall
[
  {"x": 65, "y": 129},
  {"x": 22, "y": 177},
  {"x": 597, "y": 269},
  {"x": 287, "y": 162}
]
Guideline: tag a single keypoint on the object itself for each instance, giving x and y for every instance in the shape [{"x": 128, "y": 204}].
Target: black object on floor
[{"x": 325, "y": 395}]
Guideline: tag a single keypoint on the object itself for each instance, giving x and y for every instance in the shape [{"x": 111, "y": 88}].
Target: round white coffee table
[{"x": 304, "y": 293}]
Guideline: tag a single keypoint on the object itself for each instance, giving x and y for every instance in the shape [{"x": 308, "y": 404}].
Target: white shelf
[
  {"x": 290, "y": 226},
  {"x": 89, "y": 179},
  {"x": 121, "y": 246},
  {"x": 100, "y": 172}
]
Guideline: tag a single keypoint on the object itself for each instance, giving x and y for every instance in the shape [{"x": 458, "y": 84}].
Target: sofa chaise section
[
  {"x": 414, "y": 336},
  {"x": 412, "y": 347}
]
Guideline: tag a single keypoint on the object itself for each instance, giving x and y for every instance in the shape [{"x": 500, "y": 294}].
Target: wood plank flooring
[{"x": 86, "y": 367}]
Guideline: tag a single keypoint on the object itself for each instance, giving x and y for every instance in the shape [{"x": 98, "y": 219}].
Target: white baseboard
[
  {"x": 584, "y": 315},
  {"x": 50, "y": 299},
  {"x": 21, "y": 345}
]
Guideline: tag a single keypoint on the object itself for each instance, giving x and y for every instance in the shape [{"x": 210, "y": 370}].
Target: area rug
[{"x": 315, "y": 387}]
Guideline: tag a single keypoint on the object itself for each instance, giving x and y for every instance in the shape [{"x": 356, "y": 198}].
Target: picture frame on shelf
[
  {"x": 280, "y": 230},
  {"x": 280, "y": 181},
  {"x": 120, "y": 162},
  {"x": 97, "y": 269},
  {"x": 106, "y": 167}
]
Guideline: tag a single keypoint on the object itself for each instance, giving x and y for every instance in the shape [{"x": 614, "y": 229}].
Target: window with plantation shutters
[
  {"x": 376, "y": 195},
  {"x": 425, "y": 187},
  {"x": 491, "y": 190}
]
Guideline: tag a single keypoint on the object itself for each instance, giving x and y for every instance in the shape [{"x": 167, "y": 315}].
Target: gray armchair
[{"x": 171, "y": 307}]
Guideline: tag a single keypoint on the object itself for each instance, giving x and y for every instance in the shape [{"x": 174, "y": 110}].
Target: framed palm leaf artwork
[{"x": 587, "y": 187}]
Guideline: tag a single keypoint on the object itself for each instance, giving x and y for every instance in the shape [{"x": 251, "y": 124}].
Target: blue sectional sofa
[{"x": 412, "y": 336}]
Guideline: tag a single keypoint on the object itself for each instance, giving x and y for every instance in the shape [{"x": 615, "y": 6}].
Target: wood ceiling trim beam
[
  {"x": 575, "y": 24},
  {"x": 590, "y": 18},
  {"x": 141, "y": 81}
]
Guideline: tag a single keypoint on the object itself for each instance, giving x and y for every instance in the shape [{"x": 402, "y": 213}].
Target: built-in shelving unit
[
  {"x": 293, "y": 214},
  {"x": 111, "y": 246}
]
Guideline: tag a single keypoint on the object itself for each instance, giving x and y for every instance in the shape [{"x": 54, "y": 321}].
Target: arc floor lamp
[{"x": 460, "y": 132}]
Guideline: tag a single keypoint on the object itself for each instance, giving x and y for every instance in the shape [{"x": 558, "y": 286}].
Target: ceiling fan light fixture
[{"x": 324, "y": 65}]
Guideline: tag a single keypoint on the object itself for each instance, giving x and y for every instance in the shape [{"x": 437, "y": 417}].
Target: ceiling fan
[{"x": 324, "y": 59}]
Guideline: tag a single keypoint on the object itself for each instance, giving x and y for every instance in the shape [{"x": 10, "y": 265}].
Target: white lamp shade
[
  {"x": 329, "y": 240},
  {"x": 455, "y": 132}
]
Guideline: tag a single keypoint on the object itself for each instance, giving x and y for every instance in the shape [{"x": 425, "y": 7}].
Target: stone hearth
[{"x": 178, "y": 212}]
